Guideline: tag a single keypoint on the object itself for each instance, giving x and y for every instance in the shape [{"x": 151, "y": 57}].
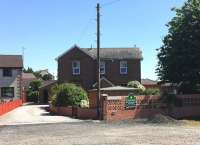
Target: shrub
[
  {"x": 68, "y": 95},
  {"x": 84, "y": 104},
  {"x": 137, "y": 85},
  {"x": 152, "y": 91}
]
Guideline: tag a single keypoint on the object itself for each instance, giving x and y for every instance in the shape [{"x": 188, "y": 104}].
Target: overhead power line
[
  {"x": 85, "y": 28},
  {"x": 110, "y": 3}
]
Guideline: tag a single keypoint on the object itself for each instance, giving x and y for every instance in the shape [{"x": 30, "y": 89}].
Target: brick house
[
  {"x": 10, "y": 76},
  {"x": 27, "y": 78},
  {"x": 148, "y": 83},
  {"x": 118, "y": 66}
]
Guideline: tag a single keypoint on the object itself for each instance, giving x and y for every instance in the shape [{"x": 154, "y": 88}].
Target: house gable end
[{"x": 75, "y": 47}]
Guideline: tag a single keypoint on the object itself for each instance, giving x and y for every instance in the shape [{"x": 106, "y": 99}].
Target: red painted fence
[{"x": 8, "y": 106}]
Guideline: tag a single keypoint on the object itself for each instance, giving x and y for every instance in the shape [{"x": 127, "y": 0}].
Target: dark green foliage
[
  {"x": 33, "y": 91},
  {"x": 179, "y": 57},
  {"x": 28, "y": 70},
  {"x": 38, "y": 75},
  {"x": 152, "y": 91},
  {"x": 47, "y": 77},
  {"x": 169, "y": 99},
  {"x": 68, "y": 95}
]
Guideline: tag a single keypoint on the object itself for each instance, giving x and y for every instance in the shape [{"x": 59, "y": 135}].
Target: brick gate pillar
[{"x": 104, "y": 106}]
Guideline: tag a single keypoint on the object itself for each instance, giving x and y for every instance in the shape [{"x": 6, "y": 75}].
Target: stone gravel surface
[{"x": 100, "y": 133}]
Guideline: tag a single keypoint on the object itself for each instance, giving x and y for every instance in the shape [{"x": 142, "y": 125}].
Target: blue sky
[{"x": 47, "y": 28}]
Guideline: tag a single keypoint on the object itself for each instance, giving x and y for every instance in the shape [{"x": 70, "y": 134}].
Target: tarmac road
[{"x": 32, "y": 114}]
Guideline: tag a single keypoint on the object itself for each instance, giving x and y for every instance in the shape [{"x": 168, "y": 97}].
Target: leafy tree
[
  {"x": 47, "y": 77},
  {"x": 37, "y": 74},
  {"x": 33, "y": 91},
  {"x": 34, "y": 85},
  {"x": 68, "y": 95},
  {"x": 28, "y": 70},
  {"x": 179, "y": 57}
]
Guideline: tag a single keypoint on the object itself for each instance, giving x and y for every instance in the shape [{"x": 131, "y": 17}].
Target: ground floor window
[{"x": 7, "y": 92}]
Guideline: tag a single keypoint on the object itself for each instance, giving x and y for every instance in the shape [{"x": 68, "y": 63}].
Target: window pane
[
  {"x": 7, "y": 72},
  {"x": 123, "y": 64},
  {"x": 76, "y": 71},
  {"x": 123, "y": 67},
  {"x": 7, "y": 92},
  {"x": 75, "y": 64},
  {"x": 102, "y": 67},
  {"x": 76, "y": 67},
  {"x": 123, "y": 70}
]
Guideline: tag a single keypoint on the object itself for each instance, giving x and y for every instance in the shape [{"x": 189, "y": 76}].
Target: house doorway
[{"x": 46, "y": 97}]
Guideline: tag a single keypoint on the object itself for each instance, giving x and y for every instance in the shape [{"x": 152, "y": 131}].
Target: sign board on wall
[{"x": 130, "y": 101}]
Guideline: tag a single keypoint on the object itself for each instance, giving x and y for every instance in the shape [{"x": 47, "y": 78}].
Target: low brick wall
[
  {"x": 189, "y": 106},
  {"x": 65, "y": 111},
  {"x": 6, "y": 107},
  {"x": 86, "y": 113},
  {"x": 146, "y": 106},
  {"x": 150, "y": 105},
  {"x": 184, "y": 112},
  {"x": 77, "y": 112}
]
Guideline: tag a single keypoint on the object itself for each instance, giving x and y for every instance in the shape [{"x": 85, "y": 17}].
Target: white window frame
[
  {"x": 76, "y": 68},
  {"x": 123, "y": 67},
  {"x": 102, "y": 66}
]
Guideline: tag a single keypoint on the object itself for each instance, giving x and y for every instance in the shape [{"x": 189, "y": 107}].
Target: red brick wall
[
  {"x": 65, "y": 111},
  {"x": 93, "y": 95},
  {"x": 88, "y": 66},
  {"x": 77, "y": 112},
  {"x": 87, "y": 75},
  {"x": 86, "y": 113},
  {"x": 146, "y": 106},
  {"x": 150, "y": 105}
]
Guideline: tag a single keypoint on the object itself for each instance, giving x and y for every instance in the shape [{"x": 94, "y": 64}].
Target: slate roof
[
  {"x": 28, "y": 76},
  {"x": 12, "y": 61},
  {"x": 116, "y": 88},
  {"x": 114, "y": 53},
  {"x": 110, "y": 53},
  {"x": 47, "y": 83}
]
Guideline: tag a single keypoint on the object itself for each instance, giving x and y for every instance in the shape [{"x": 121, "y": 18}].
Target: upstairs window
[
  {"x": 102, "y": 67},
  {"x": 123, "y": 67},
  {"x": 76, "y": 67},
  {"x": 7, "y": 72}
]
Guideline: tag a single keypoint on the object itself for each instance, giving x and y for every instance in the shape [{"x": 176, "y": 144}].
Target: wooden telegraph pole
[{"x": 98, "y": 61}]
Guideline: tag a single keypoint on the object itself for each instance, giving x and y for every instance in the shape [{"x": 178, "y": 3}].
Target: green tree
[
  {"x": 179, "y": 57},
  {"x": 68, "y": 95},
  {"x": 33, "y": 92},
  {"x": 28, "y": 70},
  {"x": 47, "y": 77}
]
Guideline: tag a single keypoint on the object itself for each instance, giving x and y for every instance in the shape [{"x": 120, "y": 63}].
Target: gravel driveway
[
  {"x": 91, "y": 133},
  {"x": 32, "y": 114}
]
